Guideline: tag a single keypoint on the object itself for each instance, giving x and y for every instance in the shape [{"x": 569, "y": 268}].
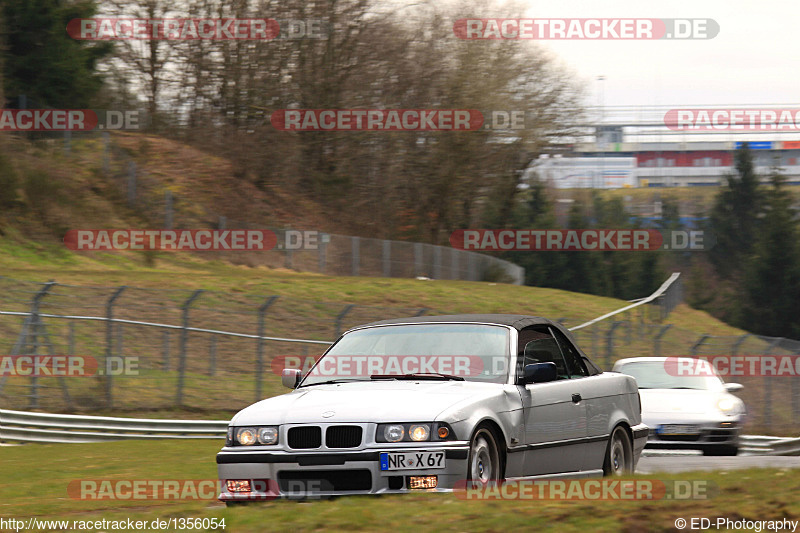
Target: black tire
[
  {"x": 721, "y": 451},
  {"x": 619, "y": 454},
  {"x": 484, "y": 462}
]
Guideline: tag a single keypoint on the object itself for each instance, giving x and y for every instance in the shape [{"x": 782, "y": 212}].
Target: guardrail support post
[
  {"x": 184, "y": 341},
  {"x": 110, "y": 345},
  {"x": 262, "y": 311}
]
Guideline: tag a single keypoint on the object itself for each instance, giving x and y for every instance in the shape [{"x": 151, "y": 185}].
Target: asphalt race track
[{"x": 653, "y": 461}]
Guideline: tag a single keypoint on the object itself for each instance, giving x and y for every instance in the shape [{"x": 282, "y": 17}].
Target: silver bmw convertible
[{"x": 431, "y": 403}]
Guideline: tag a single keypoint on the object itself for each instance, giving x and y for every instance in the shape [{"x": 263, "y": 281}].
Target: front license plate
[
  {"x": 679, "y": 429},
  {"x": 411, "y": 460}
]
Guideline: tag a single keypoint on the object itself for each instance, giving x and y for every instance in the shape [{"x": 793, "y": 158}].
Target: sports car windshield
[
  {"x": 471, "y": 352},
  {"x": 654, "y": 375}
]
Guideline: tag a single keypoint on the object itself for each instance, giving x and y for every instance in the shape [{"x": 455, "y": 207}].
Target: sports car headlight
[
  {"x": 394, "y": 433},
  {"x": 419, "y": 432},
  {"x": 268, "y": 435},
  {"x": 246, "y": 436},
  {"x": 727, "y": 406},
  {"x": 414, "y": 432},
  {"x": 250, "y": 436}
]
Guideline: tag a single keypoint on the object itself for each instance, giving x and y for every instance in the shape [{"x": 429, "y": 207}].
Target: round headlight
[
  {"x": 268, "y": 435},
  {"x": 246, "y": 436},
  {"x": 394, "y": 433},
  {"x": 420, "y": 432},
  {"x": 726, "y": 405}
]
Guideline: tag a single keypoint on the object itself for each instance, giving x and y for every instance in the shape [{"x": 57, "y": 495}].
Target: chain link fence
[
  {"x": 213, "y": 351},
  {"x": 332, "y": 254}
]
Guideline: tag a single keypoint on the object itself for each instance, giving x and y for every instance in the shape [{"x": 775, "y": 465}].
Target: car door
[{"x": 555, "y": 417}]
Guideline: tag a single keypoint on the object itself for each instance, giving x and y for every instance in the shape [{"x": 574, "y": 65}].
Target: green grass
[
  {"x": 36, "y": 477},
  {"x": 306, "y": 308}
]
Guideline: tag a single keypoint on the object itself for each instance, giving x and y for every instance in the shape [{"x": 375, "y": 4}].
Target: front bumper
[
  {"x": 704, "y": 434},
  {"x": 284, "y": 474}
]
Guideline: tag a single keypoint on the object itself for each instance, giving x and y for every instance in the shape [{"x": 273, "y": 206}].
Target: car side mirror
[
  {"x": 290, "y": 377},
  {"x": 539, "y": 373},
  {"x": 733, "y": 387}
]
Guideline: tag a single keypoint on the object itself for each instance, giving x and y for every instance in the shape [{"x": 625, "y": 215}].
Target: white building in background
[{"x": 584, "y": 172}]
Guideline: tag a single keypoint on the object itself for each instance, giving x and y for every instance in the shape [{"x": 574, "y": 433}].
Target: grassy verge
[{"x": 36, "y": 478}]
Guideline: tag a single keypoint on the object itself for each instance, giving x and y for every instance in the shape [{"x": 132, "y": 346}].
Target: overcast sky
[{"x": 755, "y": 58}]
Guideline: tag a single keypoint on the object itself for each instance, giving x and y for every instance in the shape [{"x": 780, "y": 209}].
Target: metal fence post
[
  {"x": 322, "y": 252},
  {"x": 167, "y": 209},
  {"x": 340, "y": 316},
  {"x": 387, "y": 258},
  {"x": 696, "y": 346},
  {"x": 417, "y": 259},
  {"x": 110, "y": 344},
  {"x": 131, "y": 182},
  {"x": 71, "y": 338},
  {"x": 120, "y": 331},
  {"x": 738, "y": 343},
  {"x": 355, "y": 243},
  {"x": 657, "y": 339},
  {"x": 610, "y": 343},
  {"x": 166, "y": 351},
  {"x": 262, "y": 311},
  {"x": 184, "y": 342},
  {"x": 455, "y": 272},
  {"x": 212, "y": 355},
  {"x": 106, "y": 153},
  {"x": 768, "y": 387}
]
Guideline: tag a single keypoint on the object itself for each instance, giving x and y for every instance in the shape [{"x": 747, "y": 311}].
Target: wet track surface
[{"x": 653, "y": 461}]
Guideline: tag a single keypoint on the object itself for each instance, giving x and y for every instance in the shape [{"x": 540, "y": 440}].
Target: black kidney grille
[
  {"x": 305, "y": 437},
  {"x": 343, "y": 437}
]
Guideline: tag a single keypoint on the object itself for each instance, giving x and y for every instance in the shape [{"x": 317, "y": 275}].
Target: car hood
[
  {"x": 385, "y": 401},
  {"x": 679, "y": 401}
]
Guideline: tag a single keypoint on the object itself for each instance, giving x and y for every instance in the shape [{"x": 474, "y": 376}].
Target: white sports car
[
  {"x": 692, "y": 411},
  {"x": 427, "y": 403}
]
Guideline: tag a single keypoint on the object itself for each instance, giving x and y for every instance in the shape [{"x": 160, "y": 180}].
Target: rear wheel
[
  {"x": 484, "y": 457},
  {"x": 619, "y": 454}
]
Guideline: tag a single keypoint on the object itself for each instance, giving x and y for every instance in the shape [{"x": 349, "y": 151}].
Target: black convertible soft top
[{"x": 518, "y": 322}]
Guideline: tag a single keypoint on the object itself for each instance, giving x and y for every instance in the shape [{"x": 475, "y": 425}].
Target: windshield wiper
[
  {"x": 419, "y": 375},
  {"x": 330, "y": 382}
]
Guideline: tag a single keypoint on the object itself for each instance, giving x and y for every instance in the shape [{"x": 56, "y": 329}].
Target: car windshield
[
  {"x": 654, "y": 375},
  {"x": 471, "y": 352}
]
